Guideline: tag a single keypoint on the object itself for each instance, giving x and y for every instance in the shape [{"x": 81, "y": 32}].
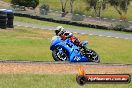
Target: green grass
[
  {"x": 49, "y": 81},
  {"x": 33, "y": 21},
  {"x": 25, "y": 44},
  {"x": 33, "y": 44}
]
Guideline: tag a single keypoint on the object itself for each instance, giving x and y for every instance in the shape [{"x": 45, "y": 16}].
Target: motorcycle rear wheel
[
  {"x": 93, "y": 56},
  {"x": 59, "y": 57}
]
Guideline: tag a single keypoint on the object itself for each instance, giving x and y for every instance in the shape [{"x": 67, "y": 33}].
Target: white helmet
[{"x": 59, "y": 30}]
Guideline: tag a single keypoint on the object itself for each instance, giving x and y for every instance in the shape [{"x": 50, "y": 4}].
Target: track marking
[
  {"x": 109, "y": 36},
  {"x": 117, "y": 37},
  {"x": 100, "y": 35},
  {"x": 90, "y": 34},
  {"x": 82, "y": 33}
]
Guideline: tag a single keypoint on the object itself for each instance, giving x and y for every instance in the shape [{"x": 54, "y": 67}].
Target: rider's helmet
[{"x": 59, "y": 30}]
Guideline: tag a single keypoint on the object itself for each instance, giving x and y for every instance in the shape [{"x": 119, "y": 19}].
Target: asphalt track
[
  {"x": 61, "y": 62},
  {"x": 89, "y": 32}
]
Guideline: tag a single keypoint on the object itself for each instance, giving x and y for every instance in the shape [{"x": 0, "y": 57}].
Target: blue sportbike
[{"x": 66, "y": 50}]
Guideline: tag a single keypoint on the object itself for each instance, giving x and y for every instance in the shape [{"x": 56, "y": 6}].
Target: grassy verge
[
  {"x": 33, "y": 44},
  {"x": 49, "y": 81},
  {"x": 25, "y": 44},
  {"x": 32, "y": 21}
]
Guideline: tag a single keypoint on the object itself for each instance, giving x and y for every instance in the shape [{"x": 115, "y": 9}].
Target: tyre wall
[
  {"x": 6, "y": 18},
  {"x": 3, "y": 18},
  {"x": 10, "y": 18}
]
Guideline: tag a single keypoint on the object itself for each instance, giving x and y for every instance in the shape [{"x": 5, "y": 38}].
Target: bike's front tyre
[{"x": 59, "y": 54}]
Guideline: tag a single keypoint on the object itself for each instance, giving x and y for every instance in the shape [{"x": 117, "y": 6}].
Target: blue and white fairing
[{"x": 73, "y": 51}]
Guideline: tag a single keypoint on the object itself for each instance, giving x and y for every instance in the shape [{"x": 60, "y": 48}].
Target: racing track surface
[
  {"x": 89, "y": 32},
  {"x": 51, "y": 67}
]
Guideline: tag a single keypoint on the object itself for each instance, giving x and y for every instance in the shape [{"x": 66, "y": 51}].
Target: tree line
[{"x": 121, "y": 6}]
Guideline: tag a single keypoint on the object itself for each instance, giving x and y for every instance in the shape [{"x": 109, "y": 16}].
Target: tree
[
  {"x": 101, "y": 6},
  {"x": 26, "y": 3},
  {"x": 97, "y": 5},
  {"x": 71, "y": 5},
  {"x": 121, "y": 6},
  {"x": 63, "y": 7}
]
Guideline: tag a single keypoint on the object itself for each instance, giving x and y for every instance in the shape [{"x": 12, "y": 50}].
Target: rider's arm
[{"x": 68, "y": 34}]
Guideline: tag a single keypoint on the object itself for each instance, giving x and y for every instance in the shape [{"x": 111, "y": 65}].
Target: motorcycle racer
[
  {"x": 66, "y": 34},
  {"x": 62, "y": 48}
]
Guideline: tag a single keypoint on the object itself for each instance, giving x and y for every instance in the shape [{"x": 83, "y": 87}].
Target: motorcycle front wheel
[{"x": 59, "y": 54}]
